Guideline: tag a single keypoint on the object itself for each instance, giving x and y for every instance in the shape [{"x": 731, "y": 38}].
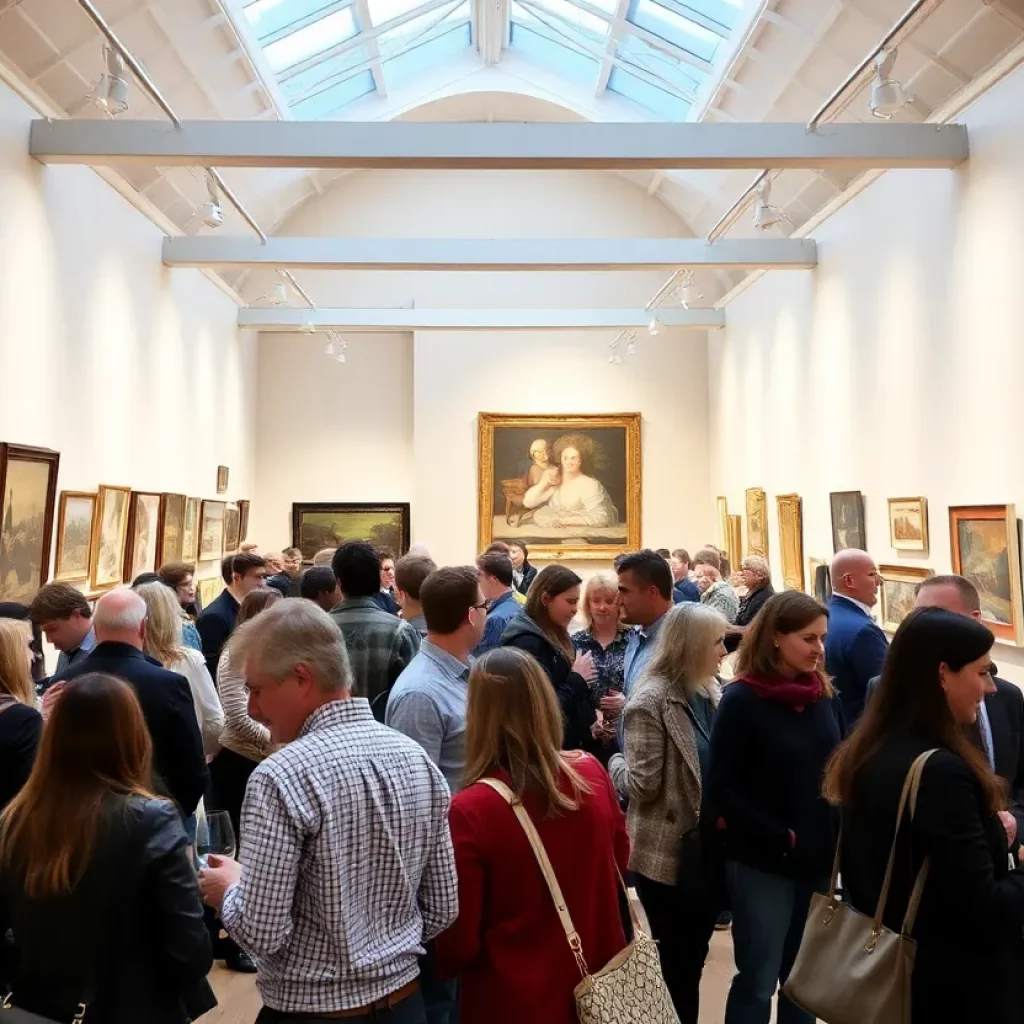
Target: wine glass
[{"x": 215, "y": 834}]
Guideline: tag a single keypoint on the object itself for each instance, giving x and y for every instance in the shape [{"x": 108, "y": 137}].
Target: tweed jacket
[{"x": 659, "y": 773}]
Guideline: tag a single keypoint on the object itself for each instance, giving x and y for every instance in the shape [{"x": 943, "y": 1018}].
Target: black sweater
[
  {"x": 20, "y": 728},
  {"x": 765, "y": 775}
]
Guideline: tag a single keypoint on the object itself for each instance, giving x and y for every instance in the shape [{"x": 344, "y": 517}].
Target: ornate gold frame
[
  {"x": 630, "y": 421},
  {"x": 757, "y": 509},
  {"x": 734, "y": 545},
  {"x": 791, "y": 540},
  {"x": 62, "y": 504}
]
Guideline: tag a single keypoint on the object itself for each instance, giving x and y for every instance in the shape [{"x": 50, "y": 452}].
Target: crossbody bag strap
[{"x": 546, "y": 869}]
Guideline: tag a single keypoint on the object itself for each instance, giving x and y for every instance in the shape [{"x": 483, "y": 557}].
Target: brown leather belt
[{"x": 386, "y": 1003}]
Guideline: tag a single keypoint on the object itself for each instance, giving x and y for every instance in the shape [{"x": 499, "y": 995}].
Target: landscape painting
[
  {"x": 908, "y": 524},
  {"x": 172, "y": 525},
  {"x": 110, "y": 531},
  {"x": 898, "y": 592},
  {"x": 232, "y": 527},
  {"x": 143, "y": 534},
  {"x": 847, "y": 520},
  {"x": 190, "y": 530},
  {"x": 757, "y": 522},
  {"x": 28, "y": 484},
  {"x": 75, "y": 515},
  {"x": 985, "y": 549},
  {"x": 211, "y": 530},
  {"x": 568, "y": 486},
  {"x": 326, "y": 524}
]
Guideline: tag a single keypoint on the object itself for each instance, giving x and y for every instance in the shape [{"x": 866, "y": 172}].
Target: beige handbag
[
  {"x": 851, "y": 969},
  {"x": 630, "y": 988}
]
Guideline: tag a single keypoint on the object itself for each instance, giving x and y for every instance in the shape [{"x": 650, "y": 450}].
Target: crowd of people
[{"x": 364, "y": 721}]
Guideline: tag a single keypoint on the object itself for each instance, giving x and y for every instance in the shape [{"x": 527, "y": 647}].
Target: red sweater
[{"x": 507, "y": 946}]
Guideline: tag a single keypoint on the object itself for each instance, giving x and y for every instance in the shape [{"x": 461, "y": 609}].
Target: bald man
[
  {"x": 855, "y": 647},
  {"x": 179, "y": 764}
]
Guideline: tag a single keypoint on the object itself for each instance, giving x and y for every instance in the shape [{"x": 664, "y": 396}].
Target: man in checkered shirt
[{"x": 347, "y": 867}]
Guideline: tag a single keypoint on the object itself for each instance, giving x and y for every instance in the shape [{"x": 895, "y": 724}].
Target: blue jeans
[
  {"x": 440, "y": 996},
  {"x": 768, "y": 916},
  {"x": 408, "y": 1011}
]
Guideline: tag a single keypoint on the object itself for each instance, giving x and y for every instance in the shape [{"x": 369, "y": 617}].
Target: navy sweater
[{"x": 765, "y": 776}]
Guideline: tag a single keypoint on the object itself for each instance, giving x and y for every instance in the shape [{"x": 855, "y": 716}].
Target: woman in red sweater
[{"x": 507, "y": 947}]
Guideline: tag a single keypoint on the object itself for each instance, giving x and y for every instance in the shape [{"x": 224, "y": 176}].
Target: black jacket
[
  {"x": 968, "y": 930},
  {"x": 179, "y": 764},
  {"x": 20, "y": 729},
  {"x": 529, "y": 575},
  {"x": 215, "y": 625},
  {"x": 573, "y": 693},
  {"x": 131, "y": 930}
]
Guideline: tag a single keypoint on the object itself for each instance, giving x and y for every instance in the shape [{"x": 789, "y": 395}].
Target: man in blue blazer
[{"x": 855, "y": 646}]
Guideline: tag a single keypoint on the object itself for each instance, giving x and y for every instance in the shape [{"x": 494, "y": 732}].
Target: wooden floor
[{"x": 240, "y": 1002}]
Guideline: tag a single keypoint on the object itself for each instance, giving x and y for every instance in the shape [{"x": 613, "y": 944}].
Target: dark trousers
[
  {"x": 682, "y": 920},
  {"x": 408, "y": 1011},
  {"x": 229, "y": 775}
]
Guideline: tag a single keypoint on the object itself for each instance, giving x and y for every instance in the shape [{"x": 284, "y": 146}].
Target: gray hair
[
  {"x": 119, "y": 611},
  {"x": 755, "y": 563},
  {"x": 683, "y": 648},
  {"x": 291, "y": 633}
]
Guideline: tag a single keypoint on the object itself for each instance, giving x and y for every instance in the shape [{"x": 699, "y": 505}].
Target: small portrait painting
[
  {"x": 111, "y": 535},
  {"x": 28, "y": 484},
  {"x": 908, "y": 524},
  {"x": 76, "y": 510},
  {"x": 847, "y": 520},
  {"x": 143, "y": 534},
  {"x": 328, "y": 524}
]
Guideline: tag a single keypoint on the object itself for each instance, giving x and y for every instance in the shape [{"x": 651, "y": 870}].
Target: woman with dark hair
[
  {"x": 181, "y": 578},
  {"x": 776, "y": 727},
  {"x": 523, "y": 574},
  {"x": 96, "y": 882},
  {"x": 507, "y": 947},
  {"x": 542, "y": 629},
  {"x": 968, "y": 929}
]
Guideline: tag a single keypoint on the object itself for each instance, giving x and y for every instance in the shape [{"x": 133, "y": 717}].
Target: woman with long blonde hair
[
  {"x": 508, "y": 947},
  {"x": 96, "y": 883},
  {"x": 165, "y": 642},
  {"x": 20, "y": 722}
]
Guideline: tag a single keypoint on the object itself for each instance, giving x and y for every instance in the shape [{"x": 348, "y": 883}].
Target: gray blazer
[{"x": 659, "y": 774}]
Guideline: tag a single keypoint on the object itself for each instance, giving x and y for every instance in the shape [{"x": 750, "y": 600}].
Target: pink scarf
[{"x": 797, "y": 692}]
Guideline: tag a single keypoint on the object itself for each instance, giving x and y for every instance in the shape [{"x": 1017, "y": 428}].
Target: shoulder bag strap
[{"x": 546, "y": 869}]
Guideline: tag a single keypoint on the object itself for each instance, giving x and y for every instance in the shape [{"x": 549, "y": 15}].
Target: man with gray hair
[
  {"x": 347, "y": 867},
  {"x": 179, "y": 762}
]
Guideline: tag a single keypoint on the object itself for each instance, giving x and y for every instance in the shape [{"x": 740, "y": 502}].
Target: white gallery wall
[
  {"x": 397, "y": 421},
  {"x": 136, "y": 374},
  {"x": 896, "y": 367}
]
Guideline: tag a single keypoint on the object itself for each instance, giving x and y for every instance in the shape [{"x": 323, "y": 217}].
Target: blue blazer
[{"x": 854, "y": 651}]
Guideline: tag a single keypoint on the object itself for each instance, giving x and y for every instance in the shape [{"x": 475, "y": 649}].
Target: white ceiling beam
[
  {"x": 372, "y": 48},
  {"x": 489, "y": 254},
  {"x": 467, "y": 145},
  {"x": 390, "y": 320},
  {"x": 615, "y": 30}
]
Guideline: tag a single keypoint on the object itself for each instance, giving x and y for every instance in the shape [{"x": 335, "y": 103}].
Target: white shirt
[
  {"x": 860, "y": 604},
  {"x": 209, "y": 713}
]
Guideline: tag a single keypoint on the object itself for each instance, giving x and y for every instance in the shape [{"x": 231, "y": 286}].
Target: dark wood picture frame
[
  {"x": 222, "y": 479},
  {"x": 859, "y": 540},
  {"x": 299, "y": 509},
  {"x": 168, "y": 504},
  {"x": 50, "y": 458},
  {"x": 243, "y": 520},
  {"x": 232, "y": 528},
  {"x": 129, "y": 544}
]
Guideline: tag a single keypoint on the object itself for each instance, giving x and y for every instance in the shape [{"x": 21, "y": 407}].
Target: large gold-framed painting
[
  {"x": 757, "y": 522},
  {"x": 568, "y": 486},
  {"x": 791, "y": 540}
]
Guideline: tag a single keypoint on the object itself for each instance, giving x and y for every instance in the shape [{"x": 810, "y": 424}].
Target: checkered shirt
[{"x": 348, "y": 866}]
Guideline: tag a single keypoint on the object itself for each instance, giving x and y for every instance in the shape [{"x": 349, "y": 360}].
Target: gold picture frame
[
  {"x": 76, "y": 514},
  {"x": 523, "y": 453},
  {"x": 908, "y": 524},
  {"x": 208, "y": 589},
  {"x": 110, "y": 537},
  {"x": 791, "y": 540},
  {"x": 757, "y": 522},
  {"x": 897, "y": 592},
  {"x": 722, "y": 504},
  {"x": 734, "y": 544}
]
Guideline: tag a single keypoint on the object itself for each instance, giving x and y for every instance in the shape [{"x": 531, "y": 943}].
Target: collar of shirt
[
  {"x": 87, "y": 644},
  {"x": 860, "y": 604},
  {"x": 448, "y": 664},
  {"x": 337, "y": 712},
  {"x": 502, "y": 599},
  {"x": 651, "y": 631},
  {"x": 358, "y": 602},
  {"x": 985, "y": 727}
]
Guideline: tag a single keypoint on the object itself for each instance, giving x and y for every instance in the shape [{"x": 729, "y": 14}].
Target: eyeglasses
[{"x": 479, "y": 607}]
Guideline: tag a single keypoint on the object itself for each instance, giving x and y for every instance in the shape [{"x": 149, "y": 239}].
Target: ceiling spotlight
[
  {"x": 888, "y": 96},
  {"x": 765, "y": 215},
  {"x": 340, "y": 357},
  {"x": 112, "y": 91},
  {"x": 278, "y": 294},
  {"x": 210, "y": 212},
  {"x": 631, "y": 345},
  {"x": 615, "y": 359},
  {"x": 308, "y": 328},
  {"x": 689, "y": 293},
  {"x": 329, "y": 347},
  {"x": 654, "y": 327}
]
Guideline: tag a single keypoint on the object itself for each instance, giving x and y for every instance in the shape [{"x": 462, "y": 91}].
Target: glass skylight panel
[
  {"x": 273, "y": 19},
  {"x": 577, "y": 66},
  {"x": 330, "y": 100},
  {"x": 387, "y": 10},
  {"x": 311, "y": 40},
  {"x": 423, "y": 28},
  {"x": 665, "y": 104},
  {"x": 563, "y": 12},
  {"x": 403, "y": 66},
  {"x": 324, "y": 74},
  {"x": 678, "y": 75},
  {"x": 675, "y": 29}
]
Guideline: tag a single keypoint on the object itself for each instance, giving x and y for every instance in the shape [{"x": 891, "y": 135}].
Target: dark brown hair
[
  {"x": 95, "y": 744},
  {"x": 682, "y": 554},
  {"x": 496, "y": 564},
  {"x": 384, "y": 553},
  {"x": 292, "y": 553},
  {"x": 784, "y": 613},
  {"x": 551, "y": 581},
  {"x": 246, "y": 562},
  {"x": 173, "y": 574},
  {"x": 256, "y": 601},
  {"x": 649, "y": 568},
  {"x": 411, "y": 571},
  {"x": 708, "y": 556},
  {"x": 502, "y": 548},
  {"x": 58, "y": 601},
  {"x": 447, "y": 595}
]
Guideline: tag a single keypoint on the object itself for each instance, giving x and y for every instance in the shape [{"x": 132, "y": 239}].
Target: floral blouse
[{"x": 607, "y": 660}]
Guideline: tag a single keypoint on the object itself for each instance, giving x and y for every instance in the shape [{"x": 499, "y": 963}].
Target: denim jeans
[
  {"x": 408, "y": 1011},
  {"x": 768, "y": 916},
  {"x": 440, "y": 996}
]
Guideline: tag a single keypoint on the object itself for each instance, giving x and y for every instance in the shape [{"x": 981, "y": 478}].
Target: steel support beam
[
  {"x": 467, "y": 145},
  {"x": 496, "y": 254},
  {"x": 396, "y": 320}
]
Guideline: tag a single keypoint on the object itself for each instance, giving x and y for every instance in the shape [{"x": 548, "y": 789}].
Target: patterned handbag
[{"x": 630, "y": 988}]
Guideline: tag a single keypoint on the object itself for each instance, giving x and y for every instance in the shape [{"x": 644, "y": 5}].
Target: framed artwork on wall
[
  {"x": 326, "y": 524},
  {"x": 819, "y": 581},
  {"x": 566, "y": 485},
  {"x": 170, "y": 547},
  {"x": 143, "y": 534},
  {"x": 232, "y": 523},
  {"x": 243, "y": 520},
  {"x": 208, "y": 589},
  {"x": 722, "y": 504},
  {"x": 222, "y": 479},
  {"x": 734, "y": 545},
  {"x": 757, "y": 522},
  {"x": 190, "y": 531},
  {"x": 75, "y": 513},
  {"x": 110, "y": 535},
  {"x": 908, "y": 524},
  {"x": 847, "y": 520},
  {"x": 28, "y": 485},
  {"x": 791, "y": 540},
  {"x": 985, "y": 547},
  {"x": 211, "y": 530},
  {"x": 898, "y": 585}
]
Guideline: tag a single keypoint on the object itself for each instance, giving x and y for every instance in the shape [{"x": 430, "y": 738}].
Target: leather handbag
[
  {"x": 850, "y": 968},
  {"x": 11, "y": 1014},
  {"x": 630, "y": 988}
]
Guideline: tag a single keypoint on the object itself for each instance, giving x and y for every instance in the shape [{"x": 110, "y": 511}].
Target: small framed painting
[
  {"x": 791, "y": 540},
  {"x": 243, "y": 520},
  {"x": 172, "y": 526},
  {"x": 757, "y": 522},
  {"x": 110, "y": 536},
  {"x": 75, "y": 513},
  {"x": 28, "y": 494},
  {"x": 190, "y": 531},
  {"x": 208, "y": 589},
  {"x": 734, "y": 543},
  {"x": 222, "y": 479},
  {"x": 722, "y": 504},
  {"x": 143, "y": 534},
  {"x": 899, "y": 590},
  {"x": 908, "y": 524},
  {"x": 985, "y": 547},
  {"x": 232, "y": 523},
  {"x": 211, "y": 530},
  {"x": 819, "y": 581},
  {"x": 327, "y": 524},
  {"x": 847, "y": 520}
]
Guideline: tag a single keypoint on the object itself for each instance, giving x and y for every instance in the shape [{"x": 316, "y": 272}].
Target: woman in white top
[
  {"x": 566, "y": 494},
  {"x": 164, "y": 642}
]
